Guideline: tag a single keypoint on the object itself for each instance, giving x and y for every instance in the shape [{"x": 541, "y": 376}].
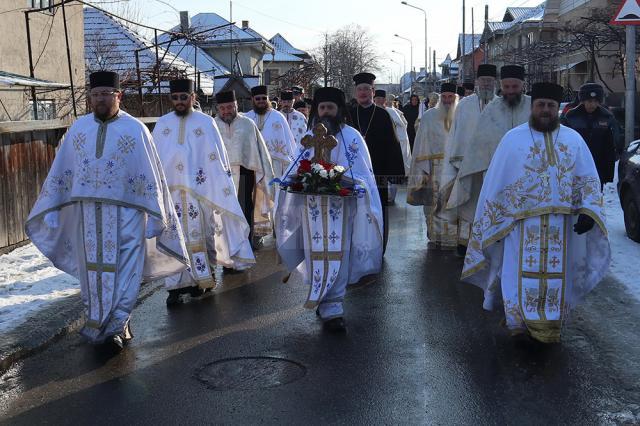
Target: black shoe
[
  {"x": 174, "y": 298},
  {"x": 335, "y": 325},
  {"x": 113, "y": 345},
  {"x": 317, "y": 312},
  {"x": 230, "y": 271},
  {"x": 461, "y": 251},
  {"x": 195, "y": 291}
]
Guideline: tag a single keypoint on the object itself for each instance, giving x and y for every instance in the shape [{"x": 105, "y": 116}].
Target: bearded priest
[
  {"x": 538, "y": 240},
  {"x": 275, "y": 130},
  {"x": 250, "y": 163},
  {"x": 497, "y": 118},
  {"x": 463, "y": 134},
  {"x": 198, "y": 172},
  {"x": 365, "y": 252},
  {"x": 426, "y": 169},
  {"x": 105, "y": 214}
]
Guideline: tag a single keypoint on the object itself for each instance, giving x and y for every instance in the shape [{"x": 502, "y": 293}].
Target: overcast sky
[{"x": 302, "y": 22}]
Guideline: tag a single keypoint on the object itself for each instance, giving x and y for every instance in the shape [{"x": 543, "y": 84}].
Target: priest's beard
[
  {"x": 446, "y": 113},
  {"x": 286, "y": 110},
  {"x": 545, "y": 123},
  {"x": 183, "y": 112},
  {"x": 513, "y": 100},
  {"x": 331, "y": 123},
  {"x": 228, "y": 118},
  {"x": 486, "y": 95},
  {"x": 261, "y": 110}
]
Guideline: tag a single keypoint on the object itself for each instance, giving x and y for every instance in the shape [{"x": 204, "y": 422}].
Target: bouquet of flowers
[{"x": 318, "y": 178}]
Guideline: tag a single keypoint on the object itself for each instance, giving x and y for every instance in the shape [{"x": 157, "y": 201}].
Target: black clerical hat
[
  {"x": 512, "y": 71},
  {"x": 299, "y": 104},
  {"x": 468, "y": 86},
  {"x": 258, "y": 90},
  {"x": 487, "y": 70},
  {"x": 380, "y": 94},
  {"x": 104, "y": 79},
  {"x": 181, "y": 85},
  {"x": 329, "y": 94},
  {"x": 286, "y": 95},
  {"x": 364, "y": 77},
  {"x": 226, "y": 97},
  {"x": 546, "y": 90},
  {"x": 448, "y": 87}
]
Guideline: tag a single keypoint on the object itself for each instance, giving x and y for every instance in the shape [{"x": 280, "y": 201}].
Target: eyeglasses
[
  {"x": 103, "y": 94},
  {"x": 260, "y": 98},
  {"x": 179, "y": 97}
]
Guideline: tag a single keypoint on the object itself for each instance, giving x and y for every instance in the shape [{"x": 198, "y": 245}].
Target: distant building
[
  {"x": 469, "y": 55},
  {"x": 284, "y": 59},
  {"x": 112, "y": 45},
  {"x": 49, "y": 52}
]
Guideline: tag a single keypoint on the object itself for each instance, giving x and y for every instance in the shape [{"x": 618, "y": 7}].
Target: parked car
[{"x": 629, "y": 189}]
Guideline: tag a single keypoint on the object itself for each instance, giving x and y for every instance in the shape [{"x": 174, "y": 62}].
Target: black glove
[{"x": 584, "y": 224}]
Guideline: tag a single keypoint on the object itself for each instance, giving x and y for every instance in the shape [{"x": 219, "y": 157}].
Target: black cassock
[{"x": 375, "y": 125}]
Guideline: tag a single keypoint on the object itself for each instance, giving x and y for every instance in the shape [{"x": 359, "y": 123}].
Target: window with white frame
[
  {"x": 41, "y": 4},
  {"x": 46, "y": 109}
]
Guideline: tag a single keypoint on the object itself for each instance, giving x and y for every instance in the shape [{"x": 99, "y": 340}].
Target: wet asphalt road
[{"x": 419, "y": 350}]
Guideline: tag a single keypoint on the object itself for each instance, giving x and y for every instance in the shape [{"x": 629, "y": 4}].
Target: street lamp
[
  {"x": 404, "y": 60},
  {"x": 426, "y": 49},
  {"x": 400, "y": 70},
  {"x": 410, "y": 44}
]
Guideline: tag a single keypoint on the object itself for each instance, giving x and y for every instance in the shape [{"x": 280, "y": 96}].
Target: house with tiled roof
[
  {"x": 282, "y": 60},
  {"x": 111, "y": 45},
  {"x": 469, "y": 55}
]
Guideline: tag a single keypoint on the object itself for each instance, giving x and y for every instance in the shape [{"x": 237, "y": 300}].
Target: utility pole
[
  {"x": 464, "y": 47},
  {"x": 630, "y": 93}
]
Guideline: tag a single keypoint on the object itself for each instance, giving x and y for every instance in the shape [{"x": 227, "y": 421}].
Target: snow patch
[{"x": 29, "y": 283}]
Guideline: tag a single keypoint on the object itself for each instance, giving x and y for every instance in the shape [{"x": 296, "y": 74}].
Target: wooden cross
[{"x": 321, "y": 143}]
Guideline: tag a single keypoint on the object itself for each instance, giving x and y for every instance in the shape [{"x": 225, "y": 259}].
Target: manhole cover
[{"x": 249, "y": 373}]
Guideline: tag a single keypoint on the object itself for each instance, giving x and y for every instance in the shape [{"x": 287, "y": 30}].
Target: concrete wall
[{"x": 48, "y": 44}]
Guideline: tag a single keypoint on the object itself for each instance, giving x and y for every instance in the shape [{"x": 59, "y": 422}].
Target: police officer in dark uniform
[{"x": 598, "y": 128}]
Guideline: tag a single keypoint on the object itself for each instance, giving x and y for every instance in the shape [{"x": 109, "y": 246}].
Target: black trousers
[
  {"x": 246, "y": 186},
  {"x": 384, "y": 199}
]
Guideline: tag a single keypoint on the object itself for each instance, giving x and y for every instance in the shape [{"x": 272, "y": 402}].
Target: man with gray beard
[
  {"x": 498, "y": 117},
  {"x": 426, "y": 168},
  {"x": 251, "y": 166},
  {"x": 463, "y": 135}
]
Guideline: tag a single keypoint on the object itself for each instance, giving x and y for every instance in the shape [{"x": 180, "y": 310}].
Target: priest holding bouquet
[{"x": 328, "y": 216}]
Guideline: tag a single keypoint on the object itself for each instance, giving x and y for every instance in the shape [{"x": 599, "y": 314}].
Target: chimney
[
  {"x": 185, "y": 22},
  {"x": 245, "y": 25}
]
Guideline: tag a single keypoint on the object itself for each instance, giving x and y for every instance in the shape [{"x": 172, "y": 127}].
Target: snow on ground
[
  {"x": 29, "y": 283},
  {"x": 625, "y": 253}
]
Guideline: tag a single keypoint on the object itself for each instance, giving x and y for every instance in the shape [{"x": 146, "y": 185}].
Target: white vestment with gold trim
[
  {"x": 365, "y": 226},
  {"x": 105, "y": 216},
  {"x": 215, "y": 229},
  {"x": 463, "y": 133},
  {"x": 278, "y": 137},
  {"x": 523, "y": 247},
  {"x": 297, "y": 124},
  {"x": 246, "y": 147},
  {"x": 425, "y": 174}
]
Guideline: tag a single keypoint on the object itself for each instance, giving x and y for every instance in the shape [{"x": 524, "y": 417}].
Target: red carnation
[
  {"x": 297, "y": 186},
  {"x": 305, "y": 166},
  {"x": 344, "y": 192},
  {"x": 325, "y": 165}
]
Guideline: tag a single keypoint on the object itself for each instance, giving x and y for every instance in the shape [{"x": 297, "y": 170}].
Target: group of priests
[{"x": 122, "y": 205}]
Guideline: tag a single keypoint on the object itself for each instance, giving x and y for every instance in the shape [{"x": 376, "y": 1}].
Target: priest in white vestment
[
  {"x": 426, "y": 168},
  {"x": 501, "y": 115},
  {"x": 329, "y": 108},
  {"x": 250, "y": 163},
  {"x": 539, "y": 243},
  {"x": 296, "y": 120},
  {"x": 463, "y": 134},
  {"x": 274, "y": 129},
  {"x": 199, "y": 177},
  {"x": 105, "y": 214}
]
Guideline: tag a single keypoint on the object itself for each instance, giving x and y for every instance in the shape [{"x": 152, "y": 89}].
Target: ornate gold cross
[{"x": 321, "y": 143}]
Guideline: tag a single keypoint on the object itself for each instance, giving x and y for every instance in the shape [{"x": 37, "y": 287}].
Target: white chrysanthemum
[
  {"x": 339, "y": 169},
  {"x": 316, "y": 167},
  {"x": 323, "y": 174}
]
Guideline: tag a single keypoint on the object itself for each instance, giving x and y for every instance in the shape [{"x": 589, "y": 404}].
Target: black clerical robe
[{"x": 376, "y": 127}]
